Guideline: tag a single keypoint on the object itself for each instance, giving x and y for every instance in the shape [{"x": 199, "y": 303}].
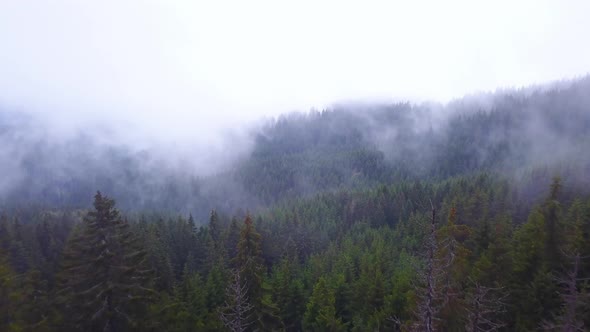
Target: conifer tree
[
  {"x": 231, "y": 240},
  {"x": 189, "y": 304},
  {"x": 214, "y": 228},
  {"x": 321, "y": 312},
  {"x": 453, "y": 257},
  {"x": 35, "y": 308},
  {"x": 215, "y": 285},
  {"x": 159, "y": 260},
  {"x": 553, "y": 226},
  {"x": 104, "y": 284},
  {"x": 4, "y": 234},
  {"x": 249, "y": 261},
  {"x": 20, "y": 257},
  {"x": 287, "y": 293},
  {"x": 9, "y": 296},
  {"x": 252, "y": 271},
  {"x": 215, "y": 244},
  {"x": 191, "y": 223}
]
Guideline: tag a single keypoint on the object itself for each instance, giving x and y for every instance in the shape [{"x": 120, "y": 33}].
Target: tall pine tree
[{"x": 104, "y": 284}]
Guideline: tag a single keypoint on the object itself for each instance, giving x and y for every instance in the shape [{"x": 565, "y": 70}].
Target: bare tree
[
  {"x": 448, "y": 247},
  {"x": 572, "y": 298},
  {"x": 236, "y": 312},
  {"x": 437, "y": 290},
  {"x": 484, "y": 305},
  {"x": 427, "y": 307},
  {"x": 397, "y": 323}
]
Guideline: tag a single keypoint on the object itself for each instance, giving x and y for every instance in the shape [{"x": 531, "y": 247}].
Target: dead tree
[
  {"x": 448, "y": 247},
  {"x": 427, "y": 309},
  {"x": 484, "y": 306},
  {"x": 236, "y": 312},
  {"x": 568, "y": 320}
]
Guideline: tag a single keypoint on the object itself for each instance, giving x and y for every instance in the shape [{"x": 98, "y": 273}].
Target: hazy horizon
[{"x": 185, "y": 70}]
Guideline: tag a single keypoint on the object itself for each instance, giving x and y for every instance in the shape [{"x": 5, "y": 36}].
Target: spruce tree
[
  {"x": 104, "y": 281},
  {"x": 454, "y": 259},
  {"x": 249, "y": 261},
  {"x": 287, "y": 293},
  {"x": 321, "y": 312},
  {"x": 231, "y": 240},
  {"x": 214, "y": 228},
  {"x": 9, "y": 296},
  {"x": 35, "y": 309},
  {"x": 252, "y": 271},
  {"x": 553, "y": 226}
]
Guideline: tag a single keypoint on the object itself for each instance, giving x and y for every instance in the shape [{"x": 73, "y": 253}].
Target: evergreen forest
[{"x": 469, "y": 216}]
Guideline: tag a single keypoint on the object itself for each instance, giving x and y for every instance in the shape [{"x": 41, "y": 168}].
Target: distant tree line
[
  {"x": 527, "y": 134},
  {"x": 452, "y": 255}
]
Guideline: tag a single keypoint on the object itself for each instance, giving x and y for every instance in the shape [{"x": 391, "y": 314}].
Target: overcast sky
[{"x": 190, "y": 66}]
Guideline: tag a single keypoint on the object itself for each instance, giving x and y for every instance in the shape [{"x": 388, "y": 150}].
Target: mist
[
  {"x": 185, "y": 70},
  {"x": 152, "y": 98},
  {"x": 294, "y": 166},
  {"x": 348, "y": 145}
]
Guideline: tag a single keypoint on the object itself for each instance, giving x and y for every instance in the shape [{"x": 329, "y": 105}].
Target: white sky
[{"x": 191, "y": 66}]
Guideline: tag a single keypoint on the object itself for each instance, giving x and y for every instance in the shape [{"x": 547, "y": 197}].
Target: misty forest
[{"x": 472, "y": 215}]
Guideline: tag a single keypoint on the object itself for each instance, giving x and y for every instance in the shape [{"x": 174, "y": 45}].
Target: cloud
[{"x": 184, "y": 67}]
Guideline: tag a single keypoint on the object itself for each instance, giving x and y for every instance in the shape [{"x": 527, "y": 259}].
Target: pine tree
[
  {"x": 215, "y": 286},
  {"x": 529, "y": 276},
  {"x": 159, "y": 260},
  {"x": 454, "y": 259},
  {"x": 249, "y": 261},
  {"x": 215, "y": 244},
  {"x": 104, "y": 284},
  {"x": 48, "y": 251},
  {"x": 191, "y": 306},
  {"x": 4, "y": 234},
  {"x": 191, "y": 223},
  {"x": 20, "y": 256},
  {"x": 9, "y": 296},
  {"x": 214, "y": 228},
  {"x": 231, "y": 240},
  {"x": 35, "y": 308},
  {"x": 553, "y": 226},
  {"x": 287, "y": 293},
  {"x": 252, "y": 271},
  {"x": 321, "y": 312}
]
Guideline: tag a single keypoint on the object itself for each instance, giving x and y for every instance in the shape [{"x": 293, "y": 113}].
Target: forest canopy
[{"x": 470, "y": 216}]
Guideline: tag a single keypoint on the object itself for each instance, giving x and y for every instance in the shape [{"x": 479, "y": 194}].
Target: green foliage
[
  {"x": 249, "y": 261},
  {"x": 320, "y": 314},
  {"x": 288, "y": 294},
  {"x": 340, "y": 200},
  {"x": 347, "y": 260},
  {"x": 9, "y": 296},
  {"x": 104, "y": 280}
]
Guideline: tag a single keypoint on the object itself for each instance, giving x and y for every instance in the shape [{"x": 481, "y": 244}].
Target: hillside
[
  {"x": 515, "y": 133},
  {"x": 473, "y": 216}
]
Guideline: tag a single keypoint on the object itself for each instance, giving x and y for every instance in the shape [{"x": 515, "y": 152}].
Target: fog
[
  {"x": 178, "y": 70},
  {"x": 163, "y": 93}
]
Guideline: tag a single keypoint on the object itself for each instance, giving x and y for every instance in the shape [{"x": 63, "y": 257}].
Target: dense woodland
[{"x": 473, "y": 216}]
